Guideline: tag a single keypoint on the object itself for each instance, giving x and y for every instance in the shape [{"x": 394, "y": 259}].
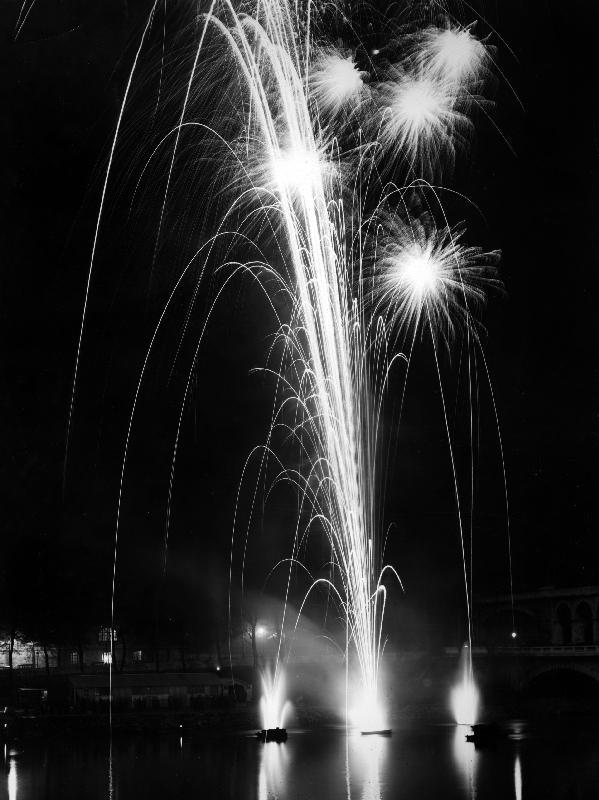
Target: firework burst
[
  {"x": 423, "y": 273},
  {"x": 336, "y": 83},
  {"x": 271, "y": 102},
  {"x": 421, "y": 124},
  {"x": 453, "y": 54}
]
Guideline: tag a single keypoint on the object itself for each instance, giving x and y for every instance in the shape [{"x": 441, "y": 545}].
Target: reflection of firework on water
[
  {"x": 466, "y": 758},
  {"x": 274, "y": 765},
  {"x": 365, "y": 761}
]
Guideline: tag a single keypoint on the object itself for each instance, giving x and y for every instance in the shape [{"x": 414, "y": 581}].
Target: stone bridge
[{"x": 552, "y": 630}]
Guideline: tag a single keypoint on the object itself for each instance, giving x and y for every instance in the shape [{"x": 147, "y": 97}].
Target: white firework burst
[
  {"x": 336, "y": 83},
  {"x": 453, "y": 54},
  {"x": 420, "y": 120},
  {"x": 425, "y": 274}
]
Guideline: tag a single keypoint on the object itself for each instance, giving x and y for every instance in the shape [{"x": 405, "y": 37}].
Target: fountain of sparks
[
  {"x": 326, "y": 374},
  {"x": 336, "y": 358},
  {"x": 301, "y": 114},
  {"x": 274, "y": 708},
  {"x": 464, "y": 696}
]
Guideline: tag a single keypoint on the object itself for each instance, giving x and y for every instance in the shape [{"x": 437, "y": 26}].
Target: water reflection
[
  {"x": 466, "y": 759},
  {"x": 517, "y": 778},
  {"x": 517, "y": 730},
  {"x": 272, "y": 776},
  {"x": 365, "y": 758}
]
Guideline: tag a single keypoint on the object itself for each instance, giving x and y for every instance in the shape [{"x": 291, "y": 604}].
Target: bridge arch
[
  {"x": 583, "y": 623},
  {"x": 570, "y": 679},
  {"x": 563, "y": 616}
]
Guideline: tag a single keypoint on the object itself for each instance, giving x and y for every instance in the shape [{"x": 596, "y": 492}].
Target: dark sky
[{"x": 61, "y": 88}]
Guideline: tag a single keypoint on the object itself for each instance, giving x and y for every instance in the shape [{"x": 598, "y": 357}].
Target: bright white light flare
[
  {"x": 426, "y": 275},
  {"x": 12, "y": 780},
  {"x": 297, "y": 169},
  {"x": 367, "y": 715},
  {"x": 464, "y": 703},
  {"x": 273, "y": 706},
  {"x": 464, "y": 696}
]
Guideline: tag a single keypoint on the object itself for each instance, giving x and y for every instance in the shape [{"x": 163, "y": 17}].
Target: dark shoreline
[{"x": 220, "y": 722}]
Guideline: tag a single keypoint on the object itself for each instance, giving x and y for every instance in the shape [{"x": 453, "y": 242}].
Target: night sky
[{"x": 62, "y": 83}]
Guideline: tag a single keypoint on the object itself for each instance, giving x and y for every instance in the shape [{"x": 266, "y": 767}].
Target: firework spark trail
[
  {"x": 24, "y": 13},
  {"x": 326, "y": 334},
  {"x": 336, "y": 356},
  {"x": 338, "y": 391},
  {"x": 115, "y": 139}
]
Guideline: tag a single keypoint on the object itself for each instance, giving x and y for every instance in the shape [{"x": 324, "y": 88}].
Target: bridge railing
[{"x": 550, "y": 650}]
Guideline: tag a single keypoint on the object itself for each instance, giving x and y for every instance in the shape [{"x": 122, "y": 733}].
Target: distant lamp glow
[
  {"x": 514, "y": 634},
  {"x": 260, "y": 631}
]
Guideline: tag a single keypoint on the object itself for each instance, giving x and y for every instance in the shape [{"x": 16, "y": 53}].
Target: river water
[{"x": 419, "y": 761}]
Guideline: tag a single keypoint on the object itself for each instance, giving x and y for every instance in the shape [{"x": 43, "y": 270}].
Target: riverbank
[{"x": 217, "y": 722}]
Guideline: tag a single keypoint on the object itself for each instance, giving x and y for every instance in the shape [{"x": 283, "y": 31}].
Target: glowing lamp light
[
  {"x": 514, "y": 634},
  {"x": 260, "y": 631}
]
